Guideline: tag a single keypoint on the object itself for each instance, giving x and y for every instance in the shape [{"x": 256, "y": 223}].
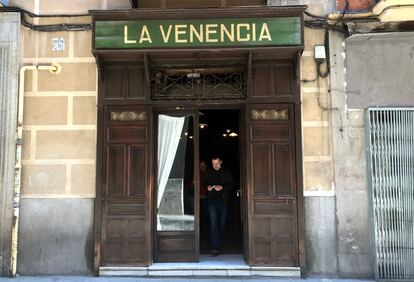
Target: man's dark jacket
[{"x": 219, "y": 177}]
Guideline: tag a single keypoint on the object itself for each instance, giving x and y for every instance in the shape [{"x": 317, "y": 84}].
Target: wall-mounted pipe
[{"x": 54, "y": 69}]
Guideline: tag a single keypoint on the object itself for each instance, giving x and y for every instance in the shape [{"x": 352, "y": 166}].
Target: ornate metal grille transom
[
  {"x": 270, "y": 114},
  {"x": 127, "y": 116},
  {"x": 198, "y": 84}
]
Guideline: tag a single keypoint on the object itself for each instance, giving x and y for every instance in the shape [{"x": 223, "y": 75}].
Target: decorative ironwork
[
  {"x": 128, "y": 116},
  {"x": 205, "y": 84},
  {"x": 270, "y": 114}
]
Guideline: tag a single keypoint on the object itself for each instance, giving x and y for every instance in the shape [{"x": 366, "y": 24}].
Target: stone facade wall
[
  {"x": 10, "y": 40},
  {"x": 316, "y": 105},
  {"x": 348, "y": 133},
  {"x": 59, "y": 111},
  {"x": 60, "y": 143}
]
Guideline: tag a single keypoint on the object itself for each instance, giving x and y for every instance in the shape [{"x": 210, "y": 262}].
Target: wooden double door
[{"x": 138, "y": 227}]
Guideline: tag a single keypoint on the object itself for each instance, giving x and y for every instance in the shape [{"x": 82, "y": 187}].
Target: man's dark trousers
[{"x": 217, "y": 209}]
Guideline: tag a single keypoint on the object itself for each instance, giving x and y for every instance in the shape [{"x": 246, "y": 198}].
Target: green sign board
[{"x": 234, "y": 32}]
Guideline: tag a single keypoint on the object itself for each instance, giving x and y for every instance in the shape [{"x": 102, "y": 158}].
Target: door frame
[
  {"x": 180, "y": 108},
  {"x": 196, "y": 105}
]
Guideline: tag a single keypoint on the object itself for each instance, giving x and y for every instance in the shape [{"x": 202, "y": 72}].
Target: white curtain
[{"x": 169, "y": 133}]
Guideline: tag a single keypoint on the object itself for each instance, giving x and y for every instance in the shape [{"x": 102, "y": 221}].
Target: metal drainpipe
[{"x": 54, "y": 69}]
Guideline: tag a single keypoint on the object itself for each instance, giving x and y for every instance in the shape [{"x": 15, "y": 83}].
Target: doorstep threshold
[
  {"x": 225, "y": 266},
  {"x": 290, "y": 272}
]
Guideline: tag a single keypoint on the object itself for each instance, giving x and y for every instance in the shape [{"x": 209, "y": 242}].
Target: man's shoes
[{"x": 215, "y": 253}]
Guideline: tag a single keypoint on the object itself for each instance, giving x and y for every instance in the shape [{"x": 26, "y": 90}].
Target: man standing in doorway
[{"x": 219, "y": 183}]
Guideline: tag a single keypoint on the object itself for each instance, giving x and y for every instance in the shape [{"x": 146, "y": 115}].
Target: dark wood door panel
[
  {"x": 137, "y": 176},
  {"x": 272, "y": 169},
  {"x": 284, "y": 170},
  {"x": 135, "y": 84},
  {"x": 126, "y": 207},
  {"x": 274, "y": 253},
  {"x": 176, "y": 246},
  {"x": 126, "y": 170},
  {"x": 115, "y": 171},
  {"x": 273, "y": 236},
  {"x": 273, "y": 80},
  {"x": 127, "y": 134},
  {"x": 114, "y": 82},
  {"x": 273, "y": 207},
  {"x": 125, "y": 240},
  {"x": 270, "y": 132},
  {"x": 261, "y": 169},
  {"x": 278, "y": 233},
  {"x": 124, "y": 82},
  {"x": 126, "y": 216}
]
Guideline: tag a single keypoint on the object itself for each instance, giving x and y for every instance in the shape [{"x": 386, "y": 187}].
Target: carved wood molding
[
  {"x": 270, "y": 114},
  {"x": 128, "y": 116}
]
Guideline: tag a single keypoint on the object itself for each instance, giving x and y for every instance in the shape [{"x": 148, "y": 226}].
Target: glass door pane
[{"x": 175, "y": 173}]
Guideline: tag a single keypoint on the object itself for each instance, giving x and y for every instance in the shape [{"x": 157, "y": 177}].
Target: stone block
[
  {"x": 356, "y": 118},
  {"x": 65, "y": 144},
  {"x": 308, "y": 68},
  {"x": 66, "y": 20},
  {"x": 379, "y": 70},
  {"x": 353, "y": 222},
  {"x": 83, "y": 44},
  {"x": 317, "y": 141},
  {"x": 83, "y": 179},
  {"x": 24, "y": 4},
  {"x": 313, "y": 37},
  {"x": 118, "y": 4},
  {"x": 355, "y": 266},
  {"x": 318, "y": 176},
  {"x": 312, "y": 110},
  {"x": 45, "y": 110},
  {"x": 351, "y": 170},
  {"x": 56, "y": 237},
  {"x": 63, "y": 6},
  {"x": 26, "y": 145},
  {"x": 42, "y": 42},
  {"x": 43, "y": 179},
  {"x": 46, "y": 44},
  {"x": 321, "y": 240},
  {"x": 74, "y": 77},
  {"x": 29, "y": 43},
  {"x": 84, "y": 110},
  {"x": 28, "y": 81}
]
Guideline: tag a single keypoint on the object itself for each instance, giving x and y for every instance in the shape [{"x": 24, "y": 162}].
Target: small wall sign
[{"x": 58, "y": 44}]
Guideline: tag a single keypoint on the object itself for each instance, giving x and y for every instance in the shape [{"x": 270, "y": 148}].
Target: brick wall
[{"x": 355, "y": 5}]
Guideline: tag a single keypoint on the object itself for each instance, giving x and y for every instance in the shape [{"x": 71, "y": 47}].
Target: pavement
[{"x": 164, "y": 279}]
